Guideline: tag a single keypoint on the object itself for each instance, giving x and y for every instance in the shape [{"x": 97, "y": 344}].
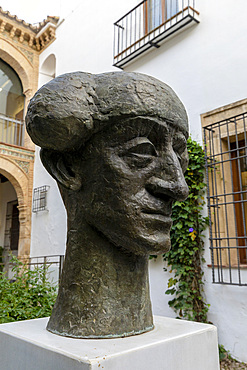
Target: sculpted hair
[{"x": 68, "y": 110}]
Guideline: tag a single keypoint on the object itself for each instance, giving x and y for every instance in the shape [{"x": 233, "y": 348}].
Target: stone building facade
[{"x": 20, "y": 46}]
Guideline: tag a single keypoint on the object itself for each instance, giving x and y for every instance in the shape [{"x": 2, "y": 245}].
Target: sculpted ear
[{"x": 62, "y": 167}]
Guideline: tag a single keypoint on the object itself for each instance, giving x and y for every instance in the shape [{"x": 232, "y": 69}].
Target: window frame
[
  {"x": 226, "y": 204},
  {"x": 150, "y": 22}
]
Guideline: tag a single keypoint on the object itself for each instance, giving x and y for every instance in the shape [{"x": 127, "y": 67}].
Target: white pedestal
[{"x": 172, "y": 345}]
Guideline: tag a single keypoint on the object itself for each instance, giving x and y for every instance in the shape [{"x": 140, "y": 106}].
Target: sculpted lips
[{"x": 159, "y": 215}]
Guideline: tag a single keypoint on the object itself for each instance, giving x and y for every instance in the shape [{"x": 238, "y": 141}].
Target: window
[
  {"x": 157, "y": 12},
  {"x": 11, "y": 106},
  {"x": 12, "y": 225},
  {"x": 239, "y": 172},
  {"x": 11, "y": 96},
  {"x": 40, "y": 198},
  {"x": 226, "y": 172}
]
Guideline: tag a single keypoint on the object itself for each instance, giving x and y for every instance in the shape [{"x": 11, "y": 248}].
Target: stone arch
[
  {"x": 14, "y": 57},
  {"x": 20, "y": 183}
]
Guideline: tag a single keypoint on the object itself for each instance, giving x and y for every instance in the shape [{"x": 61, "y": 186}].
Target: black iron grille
[
  {"x": 40, "y": 198},
  {"x": 226, "y": 172}
]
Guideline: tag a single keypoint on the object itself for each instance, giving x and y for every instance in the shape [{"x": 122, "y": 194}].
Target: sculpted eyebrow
[
  {"x": 151, "y": 123},
  {"x": 158, "y": 125},
  {"x": 132, "y": 143}
]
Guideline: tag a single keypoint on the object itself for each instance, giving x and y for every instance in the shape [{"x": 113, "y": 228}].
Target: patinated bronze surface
[{"x": 116, "y": 145}]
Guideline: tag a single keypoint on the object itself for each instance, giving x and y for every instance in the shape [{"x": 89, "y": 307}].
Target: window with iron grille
[
  {"x": 226, "y": 172},
  {"x": 40, "y": 198}
]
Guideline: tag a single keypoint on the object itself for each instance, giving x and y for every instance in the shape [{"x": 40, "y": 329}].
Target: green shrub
[
  {"x": 28, "y": 295},
  {"x": 223, "y": 353}
]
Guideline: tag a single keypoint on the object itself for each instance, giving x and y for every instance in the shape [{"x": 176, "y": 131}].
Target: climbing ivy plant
[{"x": 186, "y": 255}]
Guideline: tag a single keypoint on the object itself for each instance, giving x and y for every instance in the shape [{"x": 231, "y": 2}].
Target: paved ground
[{"x": 229, "y": 364}]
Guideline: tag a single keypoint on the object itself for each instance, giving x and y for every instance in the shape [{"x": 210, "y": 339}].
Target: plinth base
[{"x": 172, "y": 345}]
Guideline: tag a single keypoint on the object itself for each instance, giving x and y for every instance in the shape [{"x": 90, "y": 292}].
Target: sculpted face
[{"x": 131, "y": 175}]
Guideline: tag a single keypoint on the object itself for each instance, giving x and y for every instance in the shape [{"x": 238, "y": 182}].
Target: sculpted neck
[{"x": 104, "y": 292}]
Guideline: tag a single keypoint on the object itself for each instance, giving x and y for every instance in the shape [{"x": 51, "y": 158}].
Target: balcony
[
  {"x": 11, "y": 131},
  {"x": 148, "y": 25}
]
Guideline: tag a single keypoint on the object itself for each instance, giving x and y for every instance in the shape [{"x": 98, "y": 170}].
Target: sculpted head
[{"x": 116, "y": 143}]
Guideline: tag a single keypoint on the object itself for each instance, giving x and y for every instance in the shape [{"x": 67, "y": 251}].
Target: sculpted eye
[
  {"x": 145, "y": 148},
  {"x": 180, "y": 148},
  {"x": 138, "y": 152},
  {"x": 179, "y": 144}
]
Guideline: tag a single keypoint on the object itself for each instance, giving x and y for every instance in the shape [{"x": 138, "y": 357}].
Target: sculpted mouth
[{"x": 157, "y": 214}]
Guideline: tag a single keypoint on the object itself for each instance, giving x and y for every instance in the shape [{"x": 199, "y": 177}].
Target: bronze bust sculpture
[{"x": 116, "y": 145}]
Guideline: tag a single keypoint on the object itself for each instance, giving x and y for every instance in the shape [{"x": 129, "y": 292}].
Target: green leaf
[{"x": 29, "y": 295}]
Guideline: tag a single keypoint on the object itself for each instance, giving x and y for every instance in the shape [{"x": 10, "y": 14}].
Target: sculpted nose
[{"x": 169, "y": 184}]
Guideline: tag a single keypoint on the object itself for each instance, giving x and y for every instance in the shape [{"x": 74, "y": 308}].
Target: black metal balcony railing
[
  {"x": 54, "y": 263},
  {"x": 149, "y": 23},
  {"x": 11, "y": 131}
]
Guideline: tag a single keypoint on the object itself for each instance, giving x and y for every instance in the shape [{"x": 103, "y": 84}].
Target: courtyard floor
[{"x": 230, "y": 364}]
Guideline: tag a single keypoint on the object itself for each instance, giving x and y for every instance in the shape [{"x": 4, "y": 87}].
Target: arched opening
[
  {"x": 14, "y": 206},
  {"x": 11, "y": 106},
  {"x": 47, "y": 70},
  {"x": 9, "y": 221},
  {"x": 12, "y": 98}
]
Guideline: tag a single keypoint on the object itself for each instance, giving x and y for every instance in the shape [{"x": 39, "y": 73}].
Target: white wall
[
  {"x": 158, "y": 285},
  {"x": 49, "y": 227},
  {"x": 84, "y": 41},
  {"x": 206, "y": 66}
]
